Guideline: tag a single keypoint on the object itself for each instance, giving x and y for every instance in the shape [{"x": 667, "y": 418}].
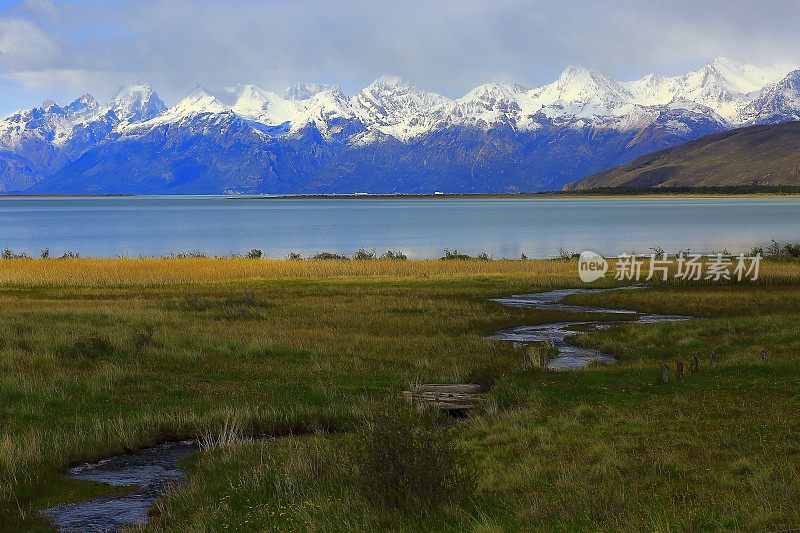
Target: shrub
[
  {"x": 195, "y": 303},
  {"x": 193, "y": 254},
  {"x": 254, "y": 254},
  {"x": 92, "y": 347},
  {"x": 776, "y": 250},
  {"x": 408, "y": 459},
  {"x": 247, "y": 299},
  {"x": 328, "y": 256},
  {"x": 454, "y": 255},
  {"x": 294, "y": 256},
  {"x": 246, "y": 305},
  {"x": 566, "y": 254},
  {"x": 394, "y": 255},
  {"x": 144, "y": 337},
  {"x": 363, "y": 254},
  {"x": 9, "y": 254}
]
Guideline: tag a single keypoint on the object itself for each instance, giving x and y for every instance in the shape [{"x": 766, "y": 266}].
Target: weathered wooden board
[{"x": 446, "y": 397}]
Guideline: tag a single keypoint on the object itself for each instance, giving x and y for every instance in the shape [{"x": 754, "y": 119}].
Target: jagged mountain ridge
[{"x": 389, "y": 137}]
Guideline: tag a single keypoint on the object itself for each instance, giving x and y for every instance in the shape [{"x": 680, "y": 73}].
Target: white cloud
[
  {"x": 24, "y": 45},
  {"x": 76, "y": 80},
  {"x": 448, "y": 46}
]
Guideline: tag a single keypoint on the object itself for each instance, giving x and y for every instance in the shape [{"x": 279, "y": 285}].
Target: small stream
[
  {"x": 149, "y": 473},
  {"x": 557, "y": 333}
]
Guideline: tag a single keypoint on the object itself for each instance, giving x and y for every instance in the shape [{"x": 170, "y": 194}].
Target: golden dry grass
[
  {"x": 185, "y": 271},
  {"x": 113, "y": 272}
]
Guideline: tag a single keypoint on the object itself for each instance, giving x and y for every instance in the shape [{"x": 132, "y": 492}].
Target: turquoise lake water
[{"x": 159, "y": 225}]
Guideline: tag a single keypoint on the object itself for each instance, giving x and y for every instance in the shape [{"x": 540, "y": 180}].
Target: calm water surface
[{"x": 419, "y": 227}]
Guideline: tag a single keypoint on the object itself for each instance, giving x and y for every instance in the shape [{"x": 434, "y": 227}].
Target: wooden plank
[
  {"x": 447, "y": 397},
  {"x": 466, "y": 388}
]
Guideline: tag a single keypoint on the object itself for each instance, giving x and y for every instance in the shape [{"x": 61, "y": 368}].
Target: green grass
[{"x": 87, "y": 370}]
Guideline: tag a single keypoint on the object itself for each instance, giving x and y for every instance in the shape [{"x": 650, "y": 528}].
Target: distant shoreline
[
  {"x": 447, "y": 196},
  {"x": 521, "y": 196}
]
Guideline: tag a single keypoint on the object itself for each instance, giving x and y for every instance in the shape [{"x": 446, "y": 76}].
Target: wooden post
[
  {"x": 679, "y": 368},
  {"x": 694, "y": 364},
  {"x": 664, "y": 372},
  {"x": 714, "y": 359}
]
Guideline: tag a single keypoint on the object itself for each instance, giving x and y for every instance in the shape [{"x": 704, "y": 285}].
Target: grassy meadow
[{"x": 102, "y": 355}]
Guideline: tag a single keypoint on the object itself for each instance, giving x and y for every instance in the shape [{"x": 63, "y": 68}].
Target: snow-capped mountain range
[{"x": 389, "y": 137}]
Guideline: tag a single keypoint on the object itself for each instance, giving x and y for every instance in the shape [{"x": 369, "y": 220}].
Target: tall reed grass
[
  {"x": 124, "y": 272},
  {"x": 200, "y": 270}
]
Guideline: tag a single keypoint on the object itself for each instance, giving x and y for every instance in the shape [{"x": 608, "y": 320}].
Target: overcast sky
[{"x": 62, "y": 49}]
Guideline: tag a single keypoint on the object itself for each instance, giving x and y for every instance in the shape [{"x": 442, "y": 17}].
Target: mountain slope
[
  {"x": 388, "y": 137},
  {"x": 767, "y": 155}
]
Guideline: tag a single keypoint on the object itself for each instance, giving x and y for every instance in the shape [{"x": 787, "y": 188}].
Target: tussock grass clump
[
  {"x": 538, "y": 355},
  {"x": 95, "y": 346},
  {"x": 144, "y": 337},
  {"x": 409, "y": 459},
  {"x": 245, "y": 305}
]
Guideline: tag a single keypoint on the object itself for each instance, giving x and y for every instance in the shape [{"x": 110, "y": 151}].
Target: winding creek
[
  {"x": 148, "y": 473},
  {"x": 557, "y": 333},
  {"x": 151, "y": 471}
]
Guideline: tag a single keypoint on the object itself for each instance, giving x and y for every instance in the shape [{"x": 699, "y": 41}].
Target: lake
[{"x": 421, "y": 228}]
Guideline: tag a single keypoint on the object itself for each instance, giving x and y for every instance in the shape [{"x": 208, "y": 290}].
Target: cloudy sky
[{"x": 61, "y": 49}]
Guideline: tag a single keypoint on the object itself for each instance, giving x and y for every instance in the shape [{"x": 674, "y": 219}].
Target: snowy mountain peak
[
  {"x": 87, "y": 101},
  {"x": 48, "y": 105},
  {"x": 304, "y": 91},
  {"x": 708, "y": 86},
  {"x": 83, "y": 106},
  {"x": 495, "y": 137},
  {"x": 329, "y": 101},
  {"x": 389, "y": 80},
  {"x": 199, "y": 100},
  {"x": 581, "y": 92},
  {"x": 746, "y": 78},
  {"x": 326, "y": 110},
  {"x": 778, "y": 102},
  {"x": 390, "y": 100},
  {"x": 580, "y": 77},
  {"x": 266, "y": 107},
  {"x": 138, "y": 102},
  {"x": 653, "y": 89},
  {"x": 249, "y": 90},
  {"x": 197, "y": 92},
  {"x": 494, "y": 90}
]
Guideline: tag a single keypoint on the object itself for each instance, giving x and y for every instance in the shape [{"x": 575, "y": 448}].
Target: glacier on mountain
[{"x": 389, "y": 137}]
